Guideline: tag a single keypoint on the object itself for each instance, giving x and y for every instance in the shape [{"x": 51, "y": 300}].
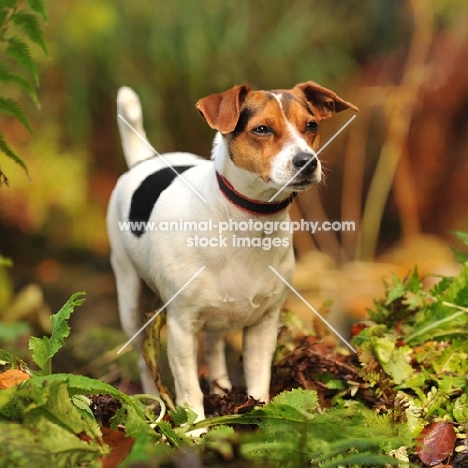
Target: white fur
[
  {"x": 129, "y": 107},
  {"x": 282, "y": 169},
  {"x": 235, "y": 290}
]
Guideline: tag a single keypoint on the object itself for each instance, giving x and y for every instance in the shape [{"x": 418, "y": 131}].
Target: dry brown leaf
[{"x": 120, "y": 447}]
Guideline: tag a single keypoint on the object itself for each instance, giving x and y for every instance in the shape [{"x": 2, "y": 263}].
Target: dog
[{"x": 263, "y": 155}]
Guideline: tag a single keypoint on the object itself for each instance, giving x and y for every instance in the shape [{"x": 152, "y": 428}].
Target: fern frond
[
  {"x": 19, "y": 50},
  {"x": 10, "y": 77},
  {"x": 38, "y": 7},
  {"x": 29, "y": 23},
  {"x": 11, "y": 107},
  {"x": 6, "y": 149},
  {"x": 8, "y": 8}
]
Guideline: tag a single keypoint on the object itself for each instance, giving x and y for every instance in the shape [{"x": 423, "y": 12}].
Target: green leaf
[
  {"x": 304, "y": 401},
  {"x": 463, "y": 236},
  {"x": 174, "y": 438},
  {"x": 38, "y": 7},
  {"x": 135, "y": 423},
  {"x": 40, "y": 352},
  {"x": 393, "y": 359},
  {"x": 19, "y": 50},
  {"x": 9, "y": 359},
  {"x": 21, "y": 448},
  {"x": 6, "y": 149},
  {"x": 447, "y": 326},
  {"x": 47, "y": 412},
  {"x": 83, "y": 404},
  {"x": 460, "y": 256},
  {"x": 460, "y": 409},
  {"x": 54, "y": 401},
  {"x": 7, "y": 76},
  {"x": 181, "y": 415},
  {"x": 457, "y": 292},
  {"x": 44, "y": 349},
  {"x": 399, "y": 290},
  {"x": 451, "y": 360},
  {"x": 60, "y": 327},
  {"x": 29, "y": 23},
  {"x": 11, "y": 107}
]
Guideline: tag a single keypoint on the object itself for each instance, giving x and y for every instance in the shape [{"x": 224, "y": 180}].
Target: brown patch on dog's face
[
  {"x": 271, "y": 122},
  {"x": 274, "y": 134}
]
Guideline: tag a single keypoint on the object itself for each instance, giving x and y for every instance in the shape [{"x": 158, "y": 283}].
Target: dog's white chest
[{"x": 239, "y": 298}]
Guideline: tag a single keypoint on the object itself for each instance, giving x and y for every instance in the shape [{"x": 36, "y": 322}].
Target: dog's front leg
[
  {"x": 182, "y": 347},
  {"x": 259, "y": 343}
]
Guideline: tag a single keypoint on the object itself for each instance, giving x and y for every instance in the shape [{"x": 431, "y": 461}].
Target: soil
[{"x": 304, "y": 367}]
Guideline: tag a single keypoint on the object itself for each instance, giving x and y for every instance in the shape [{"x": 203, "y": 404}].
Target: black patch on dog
[
  {"x": 244, "y": 117},
  {"x": 147, "y": 194}
]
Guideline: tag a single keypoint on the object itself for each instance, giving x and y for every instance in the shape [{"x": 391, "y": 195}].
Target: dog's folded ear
[
  {"x": 323, "y": 101},
  {"x": 221, "y": 111}
]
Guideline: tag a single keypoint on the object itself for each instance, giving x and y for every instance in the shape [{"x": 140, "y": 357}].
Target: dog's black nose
[{"x": 307, "y": 160}]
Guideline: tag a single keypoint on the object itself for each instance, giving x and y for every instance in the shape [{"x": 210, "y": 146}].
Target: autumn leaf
[
  {"x": 436, "y": 442},
  {"x": 12, "y": 377},
  {"x": 119, "y": 444}
]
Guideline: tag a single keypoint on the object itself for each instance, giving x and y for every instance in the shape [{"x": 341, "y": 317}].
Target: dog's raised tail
[{"x": 130, "y": 122}]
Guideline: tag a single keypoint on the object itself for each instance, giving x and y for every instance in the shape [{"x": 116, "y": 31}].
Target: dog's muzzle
[{"x": 306, "y": 163}]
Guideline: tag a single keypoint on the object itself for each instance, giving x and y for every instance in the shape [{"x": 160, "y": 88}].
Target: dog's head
[{"x": 274, "y": 134}]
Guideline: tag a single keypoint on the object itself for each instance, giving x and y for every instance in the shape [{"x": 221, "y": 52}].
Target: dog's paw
[{"x": 221, "y": 386}]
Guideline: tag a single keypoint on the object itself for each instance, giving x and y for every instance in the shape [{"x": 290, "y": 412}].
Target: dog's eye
[
  {"x": 262, "y": 130},
  {"x": 312, "y": 126}
]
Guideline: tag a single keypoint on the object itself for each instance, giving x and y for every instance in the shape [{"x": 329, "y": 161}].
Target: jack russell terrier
[{"x": 264, "y": 139}]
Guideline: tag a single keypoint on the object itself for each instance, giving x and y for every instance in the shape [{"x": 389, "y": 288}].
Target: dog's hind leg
[
  {"x": 135, "y": 299},
  {"x": 215, "y": 358}
]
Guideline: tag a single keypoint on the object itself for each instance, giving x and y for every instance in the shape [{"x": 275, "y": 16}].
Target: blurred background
[{"x": 399, "y": 170}]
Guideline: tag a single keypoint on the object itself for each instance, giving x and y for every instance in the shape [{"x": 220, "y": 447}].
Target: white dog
[{"x": 264, "y": 148}]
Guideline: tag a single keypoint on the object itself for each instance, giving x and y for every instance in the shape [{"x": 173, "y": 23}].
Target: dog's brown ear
[
  {"x": 222, "y": 110},
  {"x": 324, "y": 101}
]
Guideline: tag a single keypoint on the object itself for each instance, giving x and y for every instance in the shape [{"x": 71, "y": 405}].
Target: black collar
[{"x": 251, "y": 206}]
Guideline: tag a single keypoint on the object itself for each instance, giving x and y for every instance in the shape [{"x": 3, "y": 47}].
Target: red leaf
[
  {"x": 120, "y": 447},
  {"x": 436, "y": 442}
]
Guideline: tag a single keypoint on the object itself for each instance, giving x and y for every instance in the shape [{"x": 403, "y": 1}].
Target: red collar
[{"x": 251, "y": 206}]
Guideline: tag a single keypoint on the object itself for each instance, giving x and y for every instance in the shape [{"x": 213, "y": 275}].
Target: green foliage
[
  {"x": 44, "y": 349},
  {"x": 17, "y": 27},
  {"x": 415, "y": 353},
  {"x": 294, "y": 432},
  {"x": 414, "y": 362},
  {"x": 461, "y": 256},
  {"x": 47, "y": 420}
]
